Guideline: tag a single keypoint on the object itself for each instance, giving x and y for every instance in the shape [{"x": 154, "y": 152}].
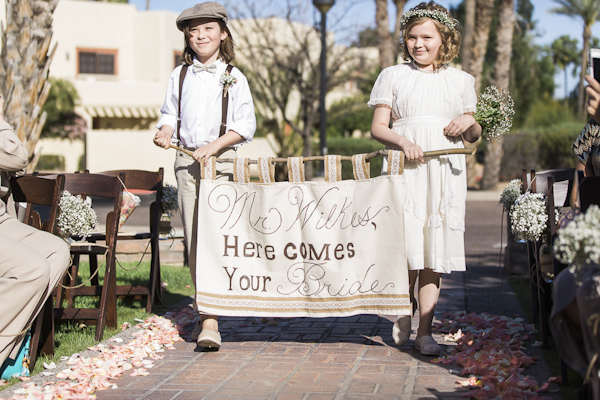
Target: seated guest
[
  {"x": 31, "y": 261},
  {"x": 576, "y": 298},
  {"x": 587, "y": 144}
]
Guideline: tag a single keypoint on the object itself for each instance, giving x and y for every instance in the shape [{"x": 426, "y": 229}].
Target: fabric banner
[{"x": 302, "y": 249}]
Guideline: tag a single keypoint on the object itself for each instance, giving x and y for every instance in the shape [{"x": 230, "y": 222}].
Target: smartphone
[{"x": 594, "y": 61}]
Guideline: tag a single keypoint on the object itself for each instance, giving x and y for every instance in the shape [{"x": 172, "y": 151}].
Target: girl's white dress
[{"x": 423, "y": 103}]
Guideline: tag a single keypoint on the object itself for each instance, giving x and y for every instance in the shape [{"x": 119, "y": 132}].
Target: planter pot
[{"x": 164, "y": 224}]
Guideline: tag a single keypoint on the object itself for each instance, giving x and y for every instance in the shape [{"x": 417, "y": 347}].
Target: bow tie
[{"x": 198, "y": 67}]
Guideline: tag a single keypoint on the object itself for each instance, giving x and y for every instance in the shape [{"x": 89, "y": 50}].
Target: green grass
[
  {"x": 521, "y": 287},
  {"x": 72, "y": 337}
]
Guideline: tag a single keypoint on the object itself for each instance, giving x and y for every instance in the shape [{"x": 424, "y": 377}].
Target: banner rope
[{"x": 369, "y": 156}]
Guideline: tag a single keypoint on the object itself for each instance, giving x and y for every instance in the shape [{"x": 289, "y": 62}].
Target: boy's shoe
[
  {"x": 401, "y": 330},
  {"x": 196, "y": 331},
  {"x": 209, "y": 339},
  {"x": 427, "y": 346}
]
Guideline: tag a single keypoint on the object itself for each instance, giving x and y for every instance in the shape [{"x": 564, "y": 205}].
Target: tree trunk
[
  {"x": 396, "y": 39},
  {"x": 468, "y": 31},
  {"x": 483, "y": 20},
  {"x": 386, "y": 43},
  {"x": 587, "y": 34},
  {"x": 24, "y": 65},
  {"x": 467, "y": 56},
  {"x": 501, "y": 78}
]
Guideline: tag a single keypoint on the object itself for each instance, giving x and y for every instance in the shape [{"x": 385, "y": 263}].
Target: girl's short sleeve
[
  {"x": 469, "y": 95},
  {"x": 383, "y": 91}
]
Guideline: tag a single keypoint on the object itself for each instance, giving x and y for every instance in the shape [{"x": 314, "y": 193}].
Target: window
[{"x": 102, "y": 62}]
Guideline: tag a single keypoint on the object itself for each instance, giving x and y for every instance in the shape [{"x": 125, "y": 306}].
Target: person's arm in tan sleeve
[{"x": 13, "y": 155}]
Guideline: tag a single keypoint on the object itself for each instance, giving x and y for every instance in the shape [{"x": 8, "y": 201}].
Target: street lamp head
[{"x": 323, "y": 5}]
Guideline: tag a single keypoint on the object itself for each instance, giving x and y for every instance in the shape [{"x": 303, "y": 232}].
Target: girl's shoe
[
  {"x": 401, "y": 330},
  {"x": 209, "y": 338},
  {"x": 427, "y": 346}
]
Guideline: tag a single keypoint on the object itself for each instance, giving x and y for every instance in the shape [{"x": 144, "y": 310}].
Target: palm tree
[
  {"x": 588, "y": 11},
  {"x": 501, "y": 79},
  {"x": 483, "y": 20},
  {"x": 24, "y": 63},
  {"x": 386, "y": 42},
  {"x": 564, "y": 53}
]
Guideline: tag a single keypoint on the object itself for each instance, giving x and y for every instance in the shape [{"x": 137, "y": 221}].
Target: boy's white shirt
[{"x": 201, "y": 106}]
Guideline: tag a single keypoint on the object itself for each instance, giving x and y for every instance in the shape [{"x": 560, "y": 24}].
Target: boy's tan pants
[{"x": 187, "y": 172}]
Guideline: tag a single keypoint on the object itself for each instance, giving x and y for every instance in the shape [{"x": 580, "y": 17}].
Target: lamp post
[{"x": 323, "y": 6}]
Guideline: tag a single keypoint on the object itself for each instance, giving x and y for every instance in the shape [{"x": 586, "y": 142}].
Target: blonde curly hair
[{"x": 451, "y": 37}]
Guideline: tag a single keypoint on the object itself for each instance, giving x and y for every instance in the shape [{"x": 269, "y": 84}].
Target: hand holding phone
[{"x": 594, "y": 62}]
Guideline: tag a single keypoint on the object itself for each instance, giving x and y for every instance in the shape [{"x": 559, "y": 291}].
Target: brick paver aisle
[
  {"x": 328, "y": 358},
  {"x": 300, "y": 358}
]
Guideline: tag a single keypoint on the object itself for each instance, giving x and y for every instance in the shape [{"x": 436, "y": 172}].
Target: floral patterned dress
[{"x": 587, "y": 146}]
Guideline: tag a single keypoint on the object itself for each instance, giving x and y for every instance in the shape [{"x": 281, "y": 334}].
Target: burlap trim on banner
[
  {"x": 359, "y": 166},
  {"x": 395, "y": 162},
  {"x": 295, "y": 169},
  {"x": 209, "y": 169},
  {"x": 266, "y": 170},
  {"x": 333, "y": 168},
  {"x": 241, "y": 170}
]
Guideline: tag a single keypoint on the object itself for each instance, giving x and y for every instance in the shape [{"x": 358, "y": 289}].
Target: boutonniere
[{"x": 227, "y": 80}]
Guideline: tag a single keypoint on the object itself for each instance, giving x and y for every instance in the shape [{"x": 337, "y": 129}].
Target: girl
[
  {"x": 432, "y": 106},
  {"x": 204, "y": 96}
]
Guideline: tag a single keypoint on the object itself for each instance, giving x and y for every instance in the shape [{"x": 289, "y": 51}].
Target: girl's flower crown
[{"x": 441, "y": 16}]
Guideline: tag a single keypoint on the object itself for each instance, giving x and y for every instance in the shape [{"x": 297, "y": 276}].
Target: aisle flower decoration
[
  {"x": 76, "y": 216},
  {"x": 529, "y": 217},
  {"x": 510, "y": 194},
  {"x": 578, "y": 243},
  {"x": 169, "y": 202},
  {"x": 495, "y": 111}
]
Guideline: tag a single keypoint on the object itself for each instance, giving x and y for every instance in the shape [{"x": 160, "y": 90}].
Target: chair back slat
[
  {"x": 138, "y": 179},
  {"x": 42, "y": 191},
  {"x": 92, "y": 185}
]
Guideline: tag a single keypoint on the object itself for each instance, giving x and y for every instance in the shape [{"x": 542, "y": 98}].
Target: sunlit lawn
[{"x": 72, "y": 337}]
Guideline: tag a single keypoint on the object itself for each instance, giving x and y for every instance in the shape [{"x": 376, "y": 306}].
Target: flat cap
[{"x": 210, "y": 9}]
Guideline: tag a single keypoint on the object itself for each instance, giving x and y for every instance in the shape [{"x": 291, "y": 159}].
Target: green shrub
[
  {"x": 351, "y": 146},
  {"x": 548, "y": 113},
  {"x": 554, "y": 145},
  {"x": 545, "y": 148},
  {"x": 51, "y": 162}
]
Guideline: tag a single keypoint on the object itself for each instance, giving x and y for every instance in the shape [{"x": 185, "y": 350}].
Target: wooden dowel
[{"x": 368, "y": 157}]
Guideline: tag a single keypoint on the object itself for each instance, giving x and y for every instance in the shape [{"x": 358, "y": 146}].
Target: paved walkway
[{"x": 333, "y": 358}]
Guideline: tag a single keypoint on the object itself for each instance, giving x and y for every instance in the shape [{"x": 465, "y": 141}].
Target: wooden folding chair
[
  {"x": 545, "y": 182},
  {"x": 106, "y": 314},
  {"x": 36, "y": 191},
  {"x": 148, "y": 181}
]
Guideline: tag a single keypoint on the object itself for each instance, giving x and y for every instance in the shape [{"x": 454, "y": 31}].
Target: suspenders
[{"x": 224, "y": 102}]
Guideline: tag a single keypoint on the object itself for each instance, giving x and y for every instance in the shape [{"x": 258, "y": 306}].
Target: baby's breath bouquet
[
  {"x": 495, "y": 111},
  {"x": 511, "y": 193},
  {"x": 169, "y": 201},
  {"x": 578, "y": 243},
  {"x": 76, "y": 217},
  {"x": 529, "y": 218}
]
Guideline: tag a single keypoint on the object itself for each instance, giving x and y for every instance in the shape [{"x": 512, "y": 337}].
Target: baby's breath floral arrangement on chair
[
  {"x": 529, "y": 218},
  {"x": 578, "y": 243},
  {"x": 495, "y": 111},
  {"x": 510, "y": 194},
  {"x": 76, "y": 218}
]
